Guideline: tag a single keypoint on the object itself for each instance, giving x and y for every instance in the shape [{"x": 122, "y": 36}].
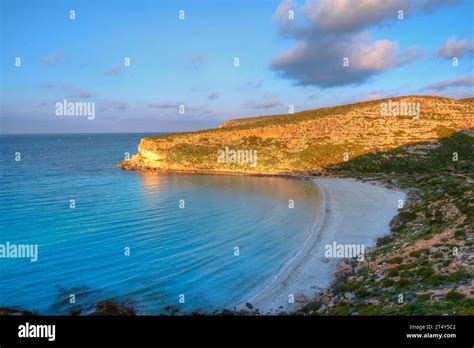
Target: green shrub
[
  {"x": 424, "y": 272},
  {"x": 435, "y": 280},
  {"x": 415, "y": 253},
  {"x": 403, "y": 282},
  {"x": 393, "y": 272},
  {"x": 384, "y": 240},
  {"x": 424, "y": 297},
  {"x": 459, "y": 275},
  {"x": 460, "y": 234},
  {"x": 406, "y": 266},
  {"x": 406, "y": 216},
  {"x": 363, "y": 293},
  {"x": 387, "y": 282},
  {"x": 454, "y": 296},
  {"x": 397, "y": 259}
]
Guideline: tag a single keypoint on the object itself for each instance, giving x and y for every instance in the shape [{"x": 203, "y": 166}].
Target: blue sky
[{"x": 190, "y": 62}]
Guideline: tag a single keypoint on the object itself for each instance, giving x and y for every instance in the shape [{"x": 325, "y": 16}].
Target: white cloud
[
  {"x": 334, "y": 30},
  {"x": 52, "y": 58},
  {"x": 266, "y": 104},
  {"x": 350, "y": 15},
  {"x": 168, "y": 104},
  {"x": 281, "y": 15},
  {"x": 465, "y": 81},
  {"x": 456, "y": 48}
]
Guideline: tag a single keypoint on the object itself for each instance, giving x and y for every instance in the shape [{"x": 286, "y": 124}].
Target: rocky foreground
[{"x": 305, "y": 142}]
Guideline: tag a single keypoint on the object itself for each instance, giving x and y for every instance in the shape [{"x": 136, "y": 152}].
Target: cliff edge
[{"x": 307, "y": 141}]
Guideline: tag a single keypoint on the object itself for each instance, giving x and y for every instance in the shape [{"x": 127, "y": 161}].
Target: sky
[{"x": 169, "y": 65}]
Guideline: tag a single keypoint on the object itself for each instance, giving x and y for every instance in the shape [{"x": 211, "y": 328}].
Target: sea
[{"x": 142, "y": 239}]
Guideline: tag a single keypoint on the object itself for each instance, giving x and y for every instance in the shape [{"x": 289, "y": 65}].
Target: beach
[{"x": 351, "y": 213}]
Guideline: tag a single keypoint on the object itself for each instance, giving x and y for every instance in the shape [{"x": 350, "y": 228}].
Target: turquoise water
[{"x": 173, "y": 251}]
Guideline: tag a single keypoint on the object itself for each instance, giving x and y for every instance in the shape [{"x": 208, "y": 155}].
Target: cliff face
[{"x": 307, "y": 141}]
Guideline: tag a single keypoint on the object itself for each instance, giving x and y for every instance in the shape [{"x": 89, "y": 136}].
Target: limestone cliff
[{"x": 307, "y": 141}]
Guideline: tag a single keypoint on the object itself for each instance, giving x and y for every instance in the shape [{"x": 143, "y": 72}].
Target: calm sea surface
[{"x": 173, "y": 251}]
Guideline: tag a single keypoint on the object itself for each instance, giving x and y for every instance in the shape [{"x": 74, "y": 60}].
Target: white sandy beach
[{"x": 352, "y": 212}]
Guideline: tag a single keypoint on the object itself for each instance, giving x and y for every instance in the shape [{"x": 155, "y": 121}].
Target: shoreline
[
  {"x": 259, "y": 298},
  {"x": 308, "y": 270}
]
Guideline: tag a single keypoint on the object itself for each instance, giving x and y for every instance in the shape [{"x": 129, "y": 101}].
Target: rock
[
  {"x": 349, "y": 296},
  {"x": 300, "y": 298},
  {"x": 322, "y": 309},
  {"x": 14, "y": 311},
  {"x": 75, "y": 311},
  {"x": 244, "y": 312},
  {"x": 312, "y": 306},
  {"x": 172, "y": 309},
  {"x": 342, "y": 265},
  {"x": 111, "y": 308}
]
